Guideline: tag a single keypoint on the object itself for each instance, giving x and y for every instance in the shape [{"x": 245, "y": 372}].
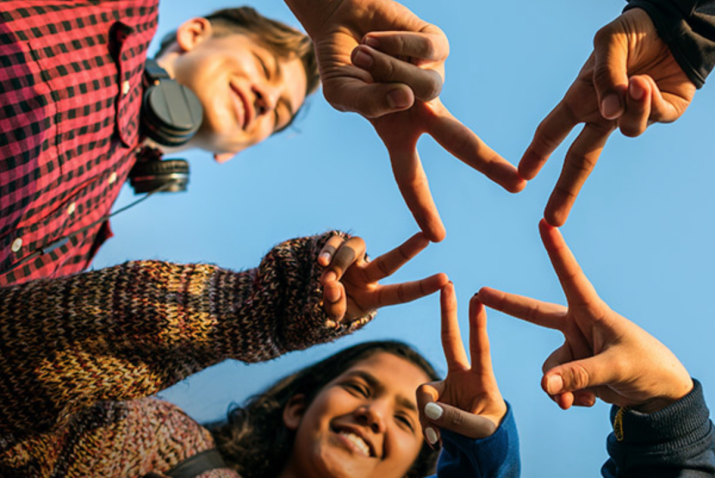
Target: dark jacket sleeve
[
  {"x": 676, "y": 441},
  {"x": 131, "y": 330},
  {"x": 688, "y": 28},
  {"x": 496, "y": 456}
]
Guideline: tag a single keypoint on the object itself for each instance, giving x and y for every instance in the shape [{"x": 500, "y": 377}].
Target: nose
[
  {"x": 265, "y": 99},
  {"x": 372, "y": 417}
]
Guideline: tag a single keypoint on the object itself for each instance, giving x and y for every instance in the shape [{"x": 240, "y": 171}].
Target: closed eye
[
  {"x": 264, "y": 66},
  {"x": 405, "y": 421},
  {"x": 357, "y": 389}
]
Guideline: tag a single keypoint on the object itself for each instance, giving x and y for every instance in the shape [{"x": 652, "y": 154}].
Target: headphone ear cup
[
  {"x": 171, "y": 113},
  {"x": 148, "y": 176}
]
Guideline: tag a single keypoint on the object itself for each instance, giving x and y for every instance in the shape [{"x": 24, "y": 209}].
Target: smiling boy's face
[
  {"x": 247, "y": 92},
  {"x": 362, "y": 424}
]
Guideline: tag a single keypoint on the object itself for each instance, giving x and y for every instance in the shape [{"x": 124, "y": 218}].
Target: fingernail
[
  {"x": 554, "y": 384},
  {"x": 325, "y": 256},
  {"x": 332, "y": 294},
  {"x": 636, "y": 92},
  {"x": 373, "y": 42},
  {"x": 398, "y": 98},
  {"x": 362, "y": 60},
  {"x": 433, "y": 411},
  {"x": 611, "y": 106},
  {"x": 330, "y": 276},
  {"x": 431, "y": 435}
]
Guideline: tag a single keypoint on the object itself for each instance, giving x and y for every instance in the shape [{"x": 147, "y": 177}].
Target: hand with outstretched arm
[
  {"x": 630, "y": 81},
  {"x": 466, "y": 411},
  {"x": 378, "y": 59},
  {"x": 606, "y": 356},
  {"x": 132, "y": 330}
]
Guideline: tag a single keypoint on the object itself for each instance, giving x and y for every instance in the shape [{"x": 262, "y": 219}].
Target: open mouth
[{"x": 356, "y": 442}]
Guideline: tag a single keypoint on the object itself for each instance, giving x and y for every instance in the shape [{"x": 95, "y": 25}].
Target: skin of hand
[
  {"x": 380, "y": 60},
  {"x": 604, "y": 354},
  {"x": 350, "y": 281},
  {"x": 468, "y": 400},
  {"x": 630, "y": 81}
]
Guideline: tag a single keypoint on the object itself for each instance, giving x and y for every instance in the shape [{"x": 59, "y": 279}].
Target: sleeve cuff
[
  {"x": 675, "y": 424},
  {"x": 494, "y": 456}
]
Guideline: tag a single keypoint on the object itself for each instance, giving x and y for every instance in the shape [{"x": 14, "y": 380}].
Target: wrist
[
  {"x": 312, "y": 14},
  {"x": 675, "y": 393}
]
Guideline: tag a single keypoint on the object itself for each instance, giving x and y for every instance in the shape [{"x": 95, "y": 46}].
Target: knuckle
[{"x": 579, "y": 378}]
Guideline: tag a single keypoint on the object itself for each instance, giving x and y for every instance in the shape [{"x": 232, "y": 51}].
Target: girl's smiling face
[{"x": 364, "y": 423}]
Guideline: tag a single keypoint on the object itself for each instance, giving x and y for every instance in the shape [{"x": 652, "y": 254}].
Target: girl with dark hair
[{"x": 81, "y": 356}]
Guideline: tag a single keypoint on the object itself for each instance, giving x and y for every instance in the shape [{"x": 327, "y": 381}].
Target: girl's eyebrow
[{"x": 376, "y": 385}]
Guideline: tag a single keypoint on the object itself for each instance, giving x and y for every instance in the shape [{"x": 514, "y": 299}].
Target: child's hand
[
  {"x": 350, "y": 281},
  {"x": 468, "y": 401}
]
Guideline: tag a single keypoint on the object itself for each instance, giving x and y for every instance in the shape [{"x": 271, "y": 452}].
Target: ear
[
  {"x": 193, "y": 32},
  {"x": 223, "y": 157},
  {"x": 293, "y": 412}
]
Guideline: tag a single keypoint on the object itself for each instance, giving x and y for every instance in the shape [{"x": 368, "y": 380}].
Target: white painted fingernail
[
  {"x": 431, "y": 435},
  {"x": 325, "y": 255},
  {"x": 433, "y": 411}
]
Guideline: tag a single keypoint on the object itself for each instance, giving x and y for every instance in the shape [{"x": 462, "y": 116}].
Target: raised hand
[
  {"x": 630, "y": 81},
  {"x": 401, "y": 131},
  {"x": 380, "y": 60},
  {"x": 350, "y": 281},
  {"x": 604, "y": 354},
  {"x": 468, "y": 400}
]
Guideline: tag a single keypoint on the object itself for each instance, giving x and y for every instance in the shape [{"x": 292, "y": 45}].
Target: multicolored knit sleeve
[{"x": 132, "y": 330}]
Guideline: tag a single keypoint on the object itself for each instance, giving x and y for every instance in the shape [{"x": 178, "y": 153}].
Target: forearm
[
  {"x": 131, "y": 330},
  {"x": 676, "y": 441},
  {"x": 688, "y": 28}
]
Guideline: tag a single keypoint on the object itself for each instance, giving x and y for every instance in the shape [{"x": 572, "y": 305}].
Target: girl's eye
[
  {"x": 358, "y": 388},
  {"x": 405, "y": 422}
]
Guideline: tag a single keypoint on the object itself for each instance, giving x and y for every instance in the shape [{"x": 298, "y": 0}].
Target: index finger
[
  {"x": 466, "y": 146},
  {"x": 451, "y": 336},
  {"x": 388, "y": 263},
  {"x": 580, "y": 160},
  {"x": 548, "y": 136},
  {"x": 573, "y": 281},
  {"x": 412, "y": 182},
  {"x": 479, "y": 348},
  {"x": 531, "y": 310}
]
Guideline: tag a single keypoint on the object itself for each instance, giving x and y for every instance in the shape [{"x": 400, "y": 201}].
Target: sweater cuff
[
  {"x": 494, "y": 456},
  {"x": 674, "y": 426},
  {"x": 690, "y": 35}
]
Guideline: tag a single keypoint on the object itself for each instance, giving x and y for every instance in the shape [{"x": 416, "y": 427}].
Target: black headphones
[{"x": 171, "y": 114}]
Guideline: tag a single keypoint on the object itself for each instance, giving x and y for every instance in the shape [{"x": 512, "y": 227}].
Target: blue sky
[{"x": 642, "y": 228}]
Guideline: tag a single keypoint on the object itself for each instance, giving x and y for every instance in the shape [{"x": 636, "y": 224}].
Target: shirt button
[
  {"x": 17, "y": 245},
  {"x": 71, "y": 208},
  {"x": 112, "y": 178},
  {"x": 126, "y": 87}
]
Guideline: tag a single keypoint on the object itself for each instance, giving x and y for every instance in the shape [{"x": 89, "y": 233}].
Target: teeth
[{"x": 358, "y": 442}]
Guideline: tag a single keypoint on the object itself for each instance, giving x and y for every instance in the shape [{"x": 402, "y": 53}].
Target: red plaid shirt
[{"x": 70, "y": 97}]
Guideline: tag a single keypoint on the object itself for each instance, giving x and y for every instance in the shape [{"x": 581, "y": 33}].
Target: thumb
[
  {"x": 578, "y": 375},
  {"x": 610, "y": 74}
]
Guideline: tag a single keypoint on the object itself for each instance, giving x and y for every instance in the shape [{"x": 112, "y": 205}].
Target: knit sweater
[{"x": 79, "y": 355}]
